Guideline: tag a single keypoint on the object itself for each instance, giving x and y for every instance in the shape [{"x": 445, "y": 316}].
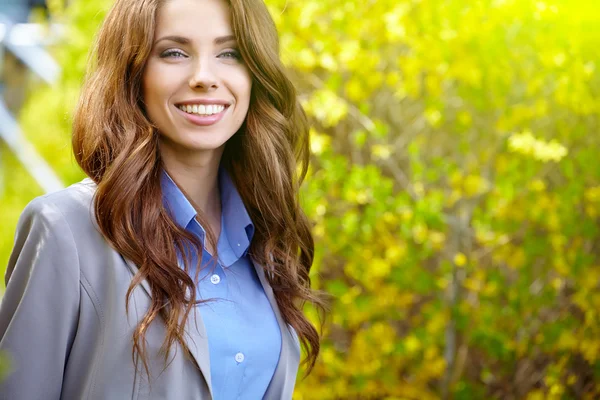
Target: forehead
[{"x": 195, "y": 19}]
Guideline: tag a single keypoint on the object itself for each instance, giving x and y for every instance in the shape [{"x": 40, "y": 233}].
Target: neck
[{"x": 197, "y": 176}]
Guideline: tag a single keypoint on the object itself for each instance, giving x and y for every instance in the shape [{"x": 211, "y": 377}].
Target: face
[{"x": 196, "y": 87}]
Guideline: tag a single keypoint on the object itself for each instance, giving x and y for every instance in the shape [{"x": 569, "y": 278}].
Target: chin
[
  {"x": 205, "y": 143},
  {"x": 192, "y": 141}
]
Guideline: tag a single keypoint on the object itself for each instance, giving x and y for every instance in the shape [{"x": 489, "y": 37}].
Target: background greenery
[{"x": 454, "y": 189}]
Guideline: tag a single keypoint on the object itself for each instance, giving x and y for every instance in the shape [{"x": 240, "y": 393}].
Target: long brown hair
[{"x": 117, "y": 146}]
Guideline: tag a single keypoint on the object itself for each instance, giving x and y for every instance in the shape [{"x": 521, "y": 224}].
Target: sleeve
[{"x": 40, "y": 307}]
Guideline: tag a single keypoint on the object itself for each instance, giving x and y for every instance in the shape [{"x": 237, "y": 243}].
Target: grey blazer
[{"x": 63, "y": 320}]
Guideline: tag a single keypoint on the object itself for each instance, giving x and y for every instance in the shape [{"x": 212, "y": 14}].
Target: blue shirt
[{"x": 244, "y": 339}]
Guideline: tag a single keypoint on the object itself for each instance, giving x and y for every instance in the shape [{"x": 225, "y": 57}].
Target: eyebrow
[{"x": 183, "y": 40}]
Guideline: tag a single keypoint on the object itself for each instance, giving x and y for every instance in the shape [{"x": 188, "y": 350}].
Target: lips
[{"x": 202, "y": 120}]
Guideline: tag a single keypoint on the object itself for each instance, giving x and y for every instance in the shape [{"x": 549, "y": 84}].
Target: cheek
[
  {"x": 155, "y": 93},
  {"x": 243, "y": 100},
  {"x": 248, "y": 86},
  {"x": 156, "y": 83},
  {"x": 148, "y": 90},
  {"x": 243, "y": 87}
]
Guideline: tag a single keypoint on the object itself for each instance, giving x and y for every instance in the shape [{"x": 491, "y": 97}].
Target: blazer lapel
[
  {"x": 283, "y": 381},
  {"x": 284, "y": 378},
  {"x": 196, "y": 339}
]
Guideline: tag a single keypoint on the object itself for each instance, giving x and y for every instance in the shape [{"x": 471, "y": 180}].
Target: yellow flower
[{"x": 460, "y": 260}]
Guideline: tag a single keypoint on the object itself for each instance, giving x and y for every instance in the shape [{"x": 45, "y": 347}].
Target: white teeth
[{"x": 202, "y": 109}]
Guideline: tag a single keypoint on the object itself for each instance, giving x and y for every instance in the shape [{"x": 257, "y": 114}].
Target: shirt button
[
  {"x": 215, "y": 279},
  {"x": 239, "y": 357}
]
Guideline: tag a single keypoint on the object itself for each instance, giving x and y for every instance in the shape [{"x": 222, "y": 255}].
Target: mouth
[
  {"x": 202, "y": 114},
  {"x": 202, "y": 110}
]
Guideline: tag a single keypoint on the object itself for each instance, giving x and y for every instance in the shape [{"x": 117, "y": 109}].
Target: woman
[{"x": 179, "y": 268}]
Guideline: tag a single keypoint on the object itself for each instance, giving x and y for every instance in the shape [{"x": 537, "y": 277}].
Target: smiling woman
[
  {"x": 195, "y": 67},
  {"x": 180, "y": 267}
]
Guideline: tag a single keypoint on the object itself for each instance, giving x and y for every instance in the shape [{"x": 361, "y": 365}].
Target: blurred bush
[{"x": 454, "y": 189}]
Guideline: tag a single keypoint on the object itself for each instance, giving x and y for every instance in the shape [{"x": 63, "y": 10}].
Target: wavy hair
[{"x": 116, "y": 145}]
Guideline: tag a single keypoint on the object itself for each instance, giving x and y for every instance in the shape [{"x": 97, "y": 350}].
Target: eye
[
  {"x": 172, "y": 53},
  {"x": 234, "y": 54}
]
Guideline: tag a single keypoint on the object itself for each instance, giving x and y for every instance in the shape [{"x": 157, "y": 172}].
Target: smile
[
  {"x": 202, "y": 114},
  {"x": 201, "y": 109}
]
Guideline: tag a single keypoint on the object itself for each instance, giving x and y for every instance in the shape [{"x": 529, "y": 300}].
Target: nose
[{"x": 203, "y": 77}]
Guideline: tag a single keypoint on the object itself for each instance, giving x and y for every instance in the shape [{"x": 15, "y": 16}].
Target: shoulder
[
  {"x": 61, "y": 225},
  {"x": 49, "y": 231},
  {"x": 65, "y": 215},
  {"x": 72, "y": 205}
]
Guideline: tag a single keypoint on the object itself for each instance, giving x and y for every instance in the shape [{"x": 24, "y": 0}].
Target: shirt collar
[{"x": 236, "y": 222}]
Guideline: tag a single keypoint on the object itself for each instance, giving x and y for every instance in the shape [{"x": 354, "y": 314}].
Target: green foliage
[{"x": 454, "y": 189}]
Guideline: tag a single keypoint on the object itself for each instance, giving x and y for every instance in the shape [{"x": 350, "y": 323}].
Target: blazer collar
[{"x": 283, "y": 380}]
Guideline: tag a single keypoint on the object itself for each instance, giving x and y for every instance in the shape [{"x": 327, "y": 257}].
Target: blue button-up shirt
[{"x": 244, "y": 339}]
